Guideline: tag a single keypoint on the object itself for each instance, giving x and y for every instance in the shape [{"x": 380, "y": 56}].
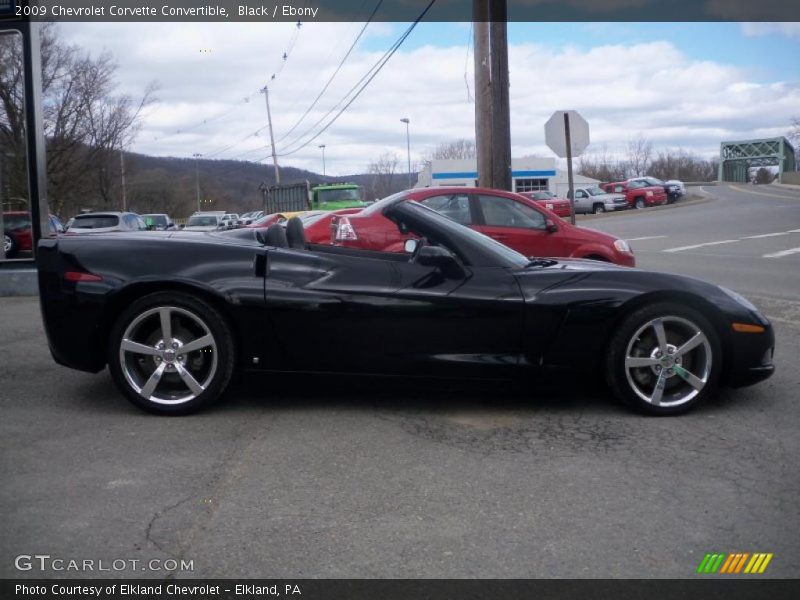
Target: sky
[{"x": 681, "y": 85}]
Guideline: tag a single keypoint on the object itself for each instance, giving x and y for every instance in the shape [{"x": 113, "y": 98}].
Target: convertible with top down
[{"x": 174, "y": 314}]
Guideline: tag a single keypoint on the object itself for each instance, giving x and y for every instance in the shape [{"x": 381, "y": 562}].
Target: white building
[{"x": 527, "y": 175}]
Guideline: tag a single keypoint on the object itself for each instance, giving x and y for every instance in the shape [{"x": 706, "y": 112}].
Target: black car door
[{"x": 349, "y": 311}]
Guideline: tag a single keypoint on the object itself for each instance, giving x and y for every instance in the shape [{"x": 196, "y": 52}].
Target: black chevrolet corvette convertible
[{"x": 174, "y": 314}]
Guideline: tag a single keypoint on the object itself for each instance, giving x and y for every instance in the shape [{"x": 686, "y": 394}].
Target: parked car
[
  {"x": 638, "y": 193},
  {"x": 596, "y": 200},
  {"x": 267, "y": 220},
  {"x": 512, "y": 219},
  {"x": 159, "y": 222},
  {"x": 106, "y": 222},
  {"x": 205, "y": 221},
  {"x": 679, "y": 184},
  {"x": 250, "y": 217},
  {"x": 459, "y": 304},
  {"x": 550, "y": 201},
  {"x": 229, "y": 220},
  {"x": 319, "y": 227},
  {"x": 18, "y": 234},
  {"x": 671, "y": 189}
]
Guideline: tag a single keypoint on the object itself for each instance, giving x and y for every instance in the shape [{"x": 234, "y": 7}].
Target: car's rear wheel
[
  {"x": 9, "y": 245},
  {"x": 664, "y": 359},
  {"x": 598, "y": 208},
  {"x": 171, "y": 353},
  {"x": 639, "y": 203}
]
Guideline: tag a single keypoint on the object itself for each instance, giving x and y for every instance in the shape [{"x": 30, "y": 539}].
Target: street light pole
[
  {"x": 197, "y": 178},
  {"x": 407, "y": 121},
  {"x": 323, "y": 158}
]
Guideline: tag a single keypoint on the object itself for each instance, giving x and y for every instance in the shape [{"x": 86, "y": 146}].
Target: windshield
[
  {"x": 543, "y": 195},
  {"x": 338, "y": 195},
  {"x": 653, "y": 181},
  {"x": 312, "y": 217},
  {"x": 155, "y": 220},
  {"x": 201, "y": 221},
  {"x": 95, "y": 221},
  {"x": 12, "y": 221},
  {"x": 596, "y": 191},
  {"x": 447, "y": 229}
]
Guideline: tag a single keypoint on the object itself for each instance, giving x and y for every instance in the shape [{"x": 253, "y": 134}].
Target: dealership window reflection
[{"x": 15, "y": 217}]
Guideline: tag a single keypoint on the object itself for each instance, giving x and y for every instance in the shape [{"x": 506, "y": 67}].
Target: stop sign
[{"x": 555, "y": 134}]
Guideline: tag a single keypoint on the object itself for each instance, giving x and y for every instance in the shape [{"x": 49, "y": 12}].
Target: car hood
[{"x": 576, "y": 264}]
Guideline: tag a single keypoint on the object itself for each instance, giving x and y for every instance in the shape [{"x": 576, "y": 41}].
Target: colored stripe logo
[{"x": 736, "y": 563}]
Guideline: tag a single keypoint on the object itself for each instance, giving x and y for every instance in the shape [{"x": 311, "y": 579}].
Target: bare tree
[
  {"x": 85, "y": 122},
  {"x": 601, "y": 165},
  {"x": 794, "y": 136},
  {"x": 679, "y": 164},
  {"x": 640, "y": 152},
  {"x": 382, "y": 171},
  {"x": 459, "y": 149}
]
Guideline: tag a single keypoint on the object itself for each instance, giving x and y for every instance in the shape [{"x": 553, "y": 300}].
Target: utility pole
[
  {"x": 197, "y": 178},
  {"x": 122, "y": 176},
  {"x": 265, "y": 91},
  {"x": 323, "y": 158},
  {"x": 407, "y": 121},
  {"x": 492, "y": 112}
]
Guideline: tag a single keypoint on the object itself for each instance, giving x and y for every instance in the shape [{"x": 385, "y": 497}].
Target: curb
[{"x": 694, "y": 198}]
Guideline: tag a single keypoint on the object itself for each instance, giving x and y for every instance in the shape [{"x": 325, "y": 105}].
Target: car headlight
[{"x": 622, "y": 246}]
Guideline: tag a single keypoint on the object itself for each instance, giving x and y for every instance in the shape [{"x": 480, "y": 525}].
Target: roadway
[{"x": 304, "y": 477}]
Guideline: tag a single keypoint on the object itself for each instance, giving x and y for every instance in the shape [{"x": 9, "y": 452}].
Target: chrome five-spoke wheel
[
  {"x": 668, "y": 361},
  {"x": 171, "y": 353},
  {"x": 168, "y": 355},
  {"x": 664, "y": 358}
]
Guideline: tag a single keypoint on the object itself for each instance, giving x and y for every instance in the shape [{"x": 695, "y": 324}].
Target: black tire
[
  {"x": 10, "y": 245},
  {"x": 630, "y": 384},
  {"x": 191, "y": 319},
  {"x": 639, "y": 203},
  {"x": 598, "y": 209}
]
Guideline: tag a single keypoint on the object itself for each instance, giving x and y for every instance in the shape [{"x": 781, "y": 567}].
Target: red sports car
[
  {"x": 550, "y": 201},
  {"x": 512, "y": 219}
]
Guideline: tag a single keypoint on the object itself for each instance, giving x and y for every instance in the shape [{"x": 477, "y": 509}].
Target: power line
[
  {"x": 369, "y": 76},
  {"x": 331, "y": 78}
]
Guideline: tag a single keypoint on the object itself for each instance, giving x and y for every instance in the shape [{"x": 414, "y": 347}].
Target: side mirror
[
  {"x": 410, "y": 246},
  {"x": 440, "y": 258},
  {"x": 550, "y": 227}
]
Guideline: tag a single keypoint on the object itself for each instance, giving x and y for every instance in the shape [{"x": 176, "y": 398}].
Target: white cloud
[
  {"x": 621, "y": 89},
  {"x": 791, "y": 30}
]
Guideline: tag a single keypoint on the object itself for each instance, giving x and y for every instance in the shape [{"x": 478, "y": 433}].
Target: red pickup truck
[{"x": 638, "y": 193}]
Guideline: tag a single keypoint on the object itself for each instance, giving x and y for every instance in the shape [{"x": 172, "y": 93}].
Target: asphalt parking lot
[{"x": 324, "y": 477}]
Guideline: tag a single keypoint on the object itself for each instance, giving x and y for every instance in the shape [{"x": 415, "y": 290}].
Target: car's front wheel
[
  {"x": 9, "y": 245},
  {"x": 171, "y": 353},
  {"x": 664, "y": 359},
  {"x": 598, "y": 208},
  {"x": 639, "y": 203}
]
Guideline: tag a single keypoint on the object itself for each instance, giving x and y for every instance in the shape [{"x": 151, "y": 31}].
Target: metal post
[
  {"x": 323, "y": 159},
  {"x": 265, "y": 91},
  {"x": 500, "y": 114},
  {"x": 483, "y": 96},
  {"x": 197, "y": 178},
  {"x": 122, "y": 176},
  {"x": 407, "y": 121},
  {"x": 569, "y": 168}
]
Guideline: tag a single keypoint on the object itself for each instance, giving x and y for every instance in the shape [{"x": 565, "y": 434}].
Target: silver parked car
[
  {"x": 596, "y": 200},
  {"x": 104, "y": 222}
]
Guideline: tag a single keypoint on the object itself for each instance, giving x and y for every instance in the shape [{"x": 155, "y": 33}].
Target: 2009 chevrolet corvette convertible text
[{"x": 174, "y": 313}]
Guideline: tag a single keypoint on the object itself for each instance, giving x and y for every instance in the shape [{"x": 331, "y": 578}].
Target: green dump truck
[{"x": 304, "y": 196}]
